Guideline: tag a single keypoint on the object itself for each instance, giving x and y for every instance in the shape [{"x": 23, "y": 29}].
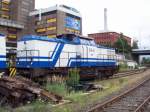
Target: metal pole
[{"x": 40, "y": 14}]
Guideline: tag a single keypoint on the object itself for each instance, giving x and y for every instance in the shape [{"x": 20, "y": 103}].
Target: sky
[{"x": 131, "y": 17}]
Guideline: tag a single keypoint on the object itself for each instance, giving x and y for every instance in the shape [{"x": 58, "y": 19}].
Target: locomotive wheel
[{"x": 101, "y": 74}]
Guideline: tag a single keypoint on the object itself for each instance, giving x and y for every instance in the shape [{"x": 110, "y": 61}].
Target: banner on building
[{"x": 72, "y": 23}]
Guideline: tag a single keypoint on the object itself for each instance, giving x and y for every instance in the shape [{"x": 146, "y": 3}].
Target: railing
[
  {"x": 64, "y": 57},
  {"x": 27, "y": 54}
]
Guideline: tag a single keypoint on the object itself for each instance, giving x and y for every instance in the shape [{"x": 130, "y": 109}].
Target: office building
[
  {"x": 56, "y": 20},
  {"x": 14, "y": 18}
]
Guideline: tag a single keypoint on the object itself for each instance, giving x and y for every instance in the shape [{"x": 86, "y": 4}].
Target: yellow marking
[
  {"x": 12, "y": 72},
  {"x": 51, "y": 20},
  {"x": 12, "y": 36},
  {"x": 41, "y": 30},
  {"x": 5, "y": 16},
  {"x": 5, "y": 9},
  {"x": 6, "y": 2},
  {"x": 50, "y": 36},
  {"x": 51, "y": 28},
  {"x": 10, "y": 69}
]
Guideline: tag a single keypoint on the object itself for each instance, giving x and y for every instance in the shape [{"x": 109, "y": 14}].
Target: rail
[
  {"x": 128, "y": 73},
  {"x": 109, "y": 103}
]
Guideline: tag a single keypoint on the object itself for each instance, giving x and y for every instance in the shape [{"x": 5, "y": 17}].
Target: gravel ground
[{"x": 134, "y": 81}]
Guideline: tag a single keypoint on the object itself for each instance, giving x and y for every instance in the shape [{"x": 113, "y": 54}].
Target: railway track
[
  {"x": 133, "y": 100},
  {"x": 127, "y": 73},
  {"x": 91, "y": 84}
]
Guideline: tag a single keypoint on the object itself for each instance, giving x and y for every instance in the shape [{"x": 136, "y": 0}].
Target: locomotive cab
[
  {"x": 3, "y": 65},
  {"x": 68, "y": 37}
]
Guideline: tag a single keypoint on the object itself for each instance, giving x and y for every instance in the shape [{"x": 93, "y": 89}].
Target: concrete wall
[{"x": 60, "y": 22}]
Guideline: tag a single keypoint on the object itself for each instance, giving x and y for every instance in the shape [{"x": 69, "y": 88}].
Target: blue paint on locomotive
[
  {"x": 2, "y": 35},
  {"x": 48, "y": 64},
  {"x": 2, "y": 62},
  {"x": 82, "y": 62},
  {"x": 57, "y": 55},
  {"x": 72, "y": 62},
  {"x": 39, "y": 64}
]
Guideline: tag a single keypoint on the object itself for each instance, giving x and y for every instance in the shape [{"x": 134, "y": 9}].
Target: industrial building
[
  {"x": 14, "y": 18},
  {"x": 108, "y": 38},
  {"x": 56, "y": 20}
]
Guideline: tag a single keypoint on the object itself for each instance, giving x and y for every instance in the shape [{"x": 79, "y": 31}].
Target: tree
[
  {"x": 145, "y": 60},
  {"x": 135, "y": 45},
  {"x": 122, "y": 45}
]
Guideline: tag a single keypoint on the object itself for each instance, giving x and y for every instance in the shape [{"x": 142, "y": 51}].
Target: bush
[
  {"x": 62, "y": 88},
  {"x": 123, "y": 67},
  {"x": 73, "y": 77}
]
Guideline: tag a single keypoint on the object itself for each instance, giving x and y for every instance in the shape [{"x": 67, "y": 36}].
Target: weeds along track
[
  {"x": 116, "y": 76},
  {"x": 133, "y": 100},
  {"x": 127, "y": 73}
]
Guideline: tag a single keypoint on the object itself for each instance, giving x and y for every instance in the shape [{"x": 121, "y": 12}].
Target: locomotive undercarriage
[{"x": 86, "y": 73}]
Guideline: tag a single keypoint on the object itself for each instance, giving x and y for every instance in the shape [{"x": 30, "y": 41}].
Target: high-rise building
[
  {"x": 56, "y": 20},
  {"x": 14, "y": 18},
  {"x": 20, "y": 13},
  {"x": 5, "y": 10}
]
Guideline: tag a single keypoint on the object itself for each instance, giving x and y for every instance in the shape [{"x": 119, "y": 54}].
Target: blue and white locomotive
[
  {"x": 38, "y": 56},
  {"x": 2, "y": 53}
]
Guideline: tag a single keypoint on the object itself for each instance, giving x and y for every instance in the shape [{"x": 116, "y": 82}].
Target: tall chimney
[{"x": 105, "y": 20}]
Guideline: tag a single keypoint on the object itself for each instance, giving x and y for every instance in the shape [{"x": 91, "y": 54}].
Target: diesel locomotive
[{"x": 39, "y": 56}]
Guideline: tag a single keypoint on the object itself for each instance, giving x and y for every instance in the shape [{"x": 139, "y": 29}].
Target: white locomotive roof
[
  {"x": 64, "y": 39},
  {"x": 80, "y": 36}
]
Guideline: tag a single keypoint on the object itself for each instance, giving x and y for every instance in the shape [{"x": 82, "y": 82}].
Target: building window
[
  {"x": 25, "y": 10},
  {"x": 25, "y": 3}
]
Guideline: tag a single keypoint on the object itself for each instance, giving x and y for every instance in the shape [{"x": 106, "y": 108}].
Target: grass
[
  {"x": 4, "y": 110},
  {"x": 36, "y": 106},
  {"x": 123, "y": 67},
  {"x": 79, "y": 99},
  {"x": 59, "y": 88}
]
